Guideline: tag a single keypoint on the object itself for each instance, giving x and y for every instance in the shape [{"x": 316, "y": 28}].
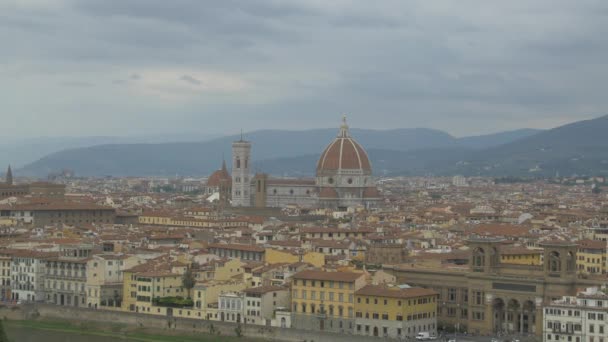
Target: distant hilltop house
[{"x": 343, "y": 179}]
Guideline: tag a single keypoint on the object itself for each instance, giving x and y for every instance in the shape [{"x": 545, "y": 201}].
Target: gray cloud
[
  {"x": 468, "y": 67},
  {"x": 190, "y": 79},
  {"x": 78, "y": 84}
]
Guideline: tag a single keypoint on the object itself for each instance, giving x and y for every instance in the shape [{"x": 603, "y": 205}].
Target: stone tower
[
  {"x": 559, "y": 259},
  {"x": 241, "y": 184},
  {"x": 9, "y": 176},
  {"x": 485, "y": 254}
]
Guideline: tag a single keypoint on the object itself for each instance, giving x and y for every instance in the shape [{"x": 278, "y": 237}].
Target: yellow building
[
  {"x": 146, "y": 284},
  {"x": 104, "y": 285},
  {"x": 275, "y": 256},
  {"x": 521, "y": 256},
  {"x": 167, "y": 219},
  {"x": 129, "y": 290},
  {"x": 155, "y": 285},
  {"x": 230, "y": 270},
  {"x": 324, "y": 301},
  {"x": 591, "y": 257},
  {"x": 395, "y": 312},
  {"x": 5, "y": 277},
  {"x": 7, "y": 221},
  {"x": 314, "y": 258},
  {"x": 206, "y": 294}
]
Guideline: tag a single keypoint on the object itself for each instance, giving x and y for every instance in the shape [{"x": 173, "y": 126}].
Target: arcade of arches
[{"x": 489, "y": 297}]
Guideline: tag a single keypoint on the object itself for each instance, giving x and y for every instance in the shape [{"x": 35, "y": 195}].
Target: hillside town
[{"x": 434, "y": 256}]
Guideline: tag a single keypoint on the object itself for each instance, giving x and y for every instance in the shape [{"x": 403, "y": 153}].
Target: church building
[{"x": 343, "y": 179}]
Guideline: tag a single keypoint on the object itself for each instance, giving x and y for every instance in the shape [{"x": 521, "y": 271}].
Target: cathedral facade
[{"x": 343, "y": 179}]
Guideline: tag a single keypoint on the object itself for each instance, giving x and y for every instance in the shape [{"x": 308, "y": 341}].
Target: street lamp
[{"x": 458, "y": 321}]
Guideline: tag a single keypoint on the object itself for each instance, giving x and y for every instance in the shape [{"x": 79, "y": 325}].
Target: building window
[
  {"x": 478, "y": 316},
  {"x": 478, "y": 298},
  {"x": 452, "y": 294}
]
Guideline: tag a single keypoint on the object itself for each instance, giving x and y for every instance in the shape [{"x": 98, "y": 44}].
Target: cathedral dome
[
  {"x": 344, "y": 154},
  {"x": 219, "y": 177}
]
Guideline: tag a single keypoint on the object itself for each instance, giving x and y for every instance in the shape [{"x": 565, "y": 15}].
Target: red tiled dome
[
  {"x": 220, "y": 176},
  {"x": 344, "y": 153}
]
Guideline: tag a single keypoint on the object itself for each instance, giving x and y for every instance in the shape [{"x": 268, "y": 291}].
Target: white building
[
  {"x": 231, "y": 307},
  {"x": 459, "y": 181},
  {"x": 583, "y": 318},
  {"x": 262, "y": 302},
  {"x": 27, "y": 275}
]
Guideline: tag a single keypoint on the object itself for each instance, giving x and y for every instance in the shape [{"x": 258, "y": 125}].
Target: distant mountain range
[
  {"x": 281, "y": 152},
  {"x": 578, "y": 148},
  {"x": 21, "y": 151}
]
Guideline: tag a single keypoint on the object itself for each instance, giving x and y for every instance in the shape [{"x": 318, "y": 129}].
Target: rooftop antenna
[{"x": 241, "y": 134}]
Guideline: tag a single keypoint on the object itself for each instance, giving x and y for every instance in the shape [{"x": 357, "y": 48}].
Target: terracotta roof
[
  {"x": 501, "y": 230},
  {"x": 264, "y": 289},
  {"x": 327, "y": 192},
  {"x": 220, "y": 176},
  {"x": 234, "y": 246},
  {"x": 371, "y": 192},
  {"x": 63, "y": 205},
  {"x": 286, "y": 243},
  {"x": 344, "y": 153},
  {"x": 592, "y": 244}
]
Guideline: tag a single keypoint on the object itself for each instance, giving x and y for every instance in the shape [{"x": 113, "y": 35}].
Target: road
[{"x": 471, "y": 338}]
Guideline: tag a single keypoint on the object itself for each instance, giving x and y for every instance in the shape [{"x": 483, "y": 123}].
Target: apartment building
[
  {"x": 580, "y": 318},
  {"x": 324, "y": 301},
  {"x": 395, "y": 312}
]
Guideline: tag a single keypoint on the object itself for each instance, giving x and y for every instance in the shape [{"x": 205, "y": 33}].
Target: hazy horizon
[{"x": 190, "y": 134}]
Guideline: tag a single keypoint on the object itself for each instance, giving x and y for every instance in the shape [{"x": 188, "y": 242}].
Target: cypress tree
[{"x": 3, "y": 337}]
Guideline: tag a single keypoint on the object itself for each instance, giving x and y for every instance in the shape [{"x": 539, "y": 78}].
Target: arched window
[
  {"x": 554, "y": 262},
  {"x": 478, "y": 257}
]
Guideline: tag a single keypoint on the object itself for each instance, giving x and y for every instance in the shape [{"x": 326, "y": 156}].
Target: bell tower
[
  {"x": 241, "y": 183},
  {"x": 559, "y": 259},
  {"x": 485, "y": 254},
  {"x": 9, "y": 176}
]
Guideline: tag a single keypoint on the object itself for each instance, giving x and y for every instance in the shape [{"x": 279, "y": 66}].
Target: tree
[
  {"x": 188, "y": 280},
  {"x": 3, "y": 337},
  {"x": 238, "y": 330}
]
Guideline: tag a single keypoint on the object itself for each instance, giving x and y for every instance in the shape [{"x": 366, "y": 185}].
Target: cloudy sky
[{"x": 105, "y": 67}]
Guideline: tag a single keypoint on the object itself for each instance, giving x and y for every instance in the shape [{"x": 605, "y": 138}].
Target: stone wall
[{"x": 156, "y": 324}]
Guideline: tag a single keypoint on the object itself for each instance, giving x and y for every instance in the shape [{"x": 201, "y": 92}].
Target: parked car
[{"x": 425, "y": 336}]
